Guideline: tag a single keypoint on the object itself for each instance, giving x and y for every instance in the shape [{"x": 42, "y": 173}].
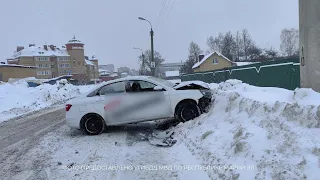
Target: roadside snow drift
[
  {"x": 17, "y": 98},
  {"x": 257, "y": 133}
]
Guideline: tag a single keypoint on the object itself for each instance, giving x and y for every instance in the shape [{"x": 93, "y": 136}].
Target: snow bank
[
  {"x": 257, "y": 133},
  {"x": 17, "y": 98}
]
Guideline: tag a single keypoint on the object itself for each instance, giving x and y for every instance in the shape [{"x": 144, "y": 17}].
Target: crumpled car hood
[{"x": 187, "y": 85}]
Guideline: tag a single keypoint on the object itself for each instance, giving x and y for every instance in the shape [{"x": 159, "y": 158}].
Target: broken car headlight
[{"x": 206, "y": 92}]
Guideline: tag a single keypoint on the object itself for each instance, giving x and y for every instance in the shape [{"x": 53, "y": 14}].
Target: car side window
[
  {"x": 141, "y": 86},
  {"x": 117, "y": 87},
  {"x": 146, "y": 85}
]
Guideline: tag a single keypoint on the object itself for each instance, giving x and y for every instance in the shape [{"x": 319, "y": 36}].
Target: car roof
[{"x": 117, "y": 80}]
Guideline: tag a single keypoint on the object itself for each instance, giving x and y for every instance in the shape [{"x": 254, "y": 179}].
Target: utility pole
[
  {"x": 153, "y": 64},
  {"x": 309, "y": 35},
  {"x": 143, "y": 62},
  {"x": 143, "y": 65}
]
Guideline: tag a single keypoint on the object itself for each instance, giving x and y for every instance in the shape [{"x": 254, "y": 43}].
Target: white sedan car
[{"x": 136, "y": 99}]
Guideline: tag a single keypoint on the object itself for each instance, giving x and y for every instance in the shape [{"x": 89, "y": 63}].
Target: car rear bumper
[{"x": 72, "y": 122}]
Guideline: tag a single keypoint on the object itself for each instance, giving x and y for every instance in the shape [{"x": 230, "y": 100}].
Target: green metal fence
[{"x": 281, "y": 73}]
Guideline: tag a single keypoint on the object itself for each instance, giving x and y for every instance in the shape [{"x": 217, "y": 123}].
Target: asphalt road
[
  {"x": 29, "y": 127},
  {"x": 18, "y": 136}
]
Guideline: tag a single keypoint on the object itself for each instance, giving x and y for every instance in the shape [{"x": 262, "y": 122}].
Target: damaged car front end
[{"x": 205, "y": 101}]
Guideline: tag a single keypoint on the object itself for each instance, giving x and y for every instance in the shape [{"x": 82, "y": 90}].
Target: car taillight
[{"x": 68, "y": 106}]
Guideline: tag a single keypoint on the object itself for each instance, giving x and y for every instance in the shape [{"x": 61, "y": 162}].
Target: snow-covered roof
[
  {"x": 15, "y": 65},
  {"x": 172, "y": 73},
  {"x": 56, "y": 78},
  {"x": 89, "y": 63},
  {"x": 74, "y": 41},
  {"x": 243, "y": 63},
  {"x": 207, "y": 56},
  {"x": 172, "y": 64},
  {"x": 102, "y": 70},
  {"x": 114, "y": 75},
  {"x": 40, "y": 51}
]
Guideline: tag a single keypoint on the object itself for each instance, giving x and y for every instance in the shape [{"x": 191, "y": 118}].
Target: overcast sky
[{"x": 110, "y": 28}]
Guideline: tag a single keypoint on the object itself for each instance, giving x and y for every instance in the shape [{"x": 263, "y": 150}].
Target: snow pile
[
  {"x": 17, "y": 98},
  {"x": 257, "y": 133}
]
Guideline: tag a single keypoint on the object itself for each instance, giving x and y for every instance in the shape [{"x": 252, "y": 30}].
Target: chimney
[
  {"x": 201, "y": 56},
  {"x": 19, "y": 48},
  {"x": 45, "y": 47},
  {"x": 52, "y": 47}
]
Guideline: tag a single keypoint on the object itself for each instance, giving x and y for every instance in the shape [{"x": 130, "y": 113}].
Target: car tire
[
  {"x": 93, "y": 124},
  {"x": 188, "y": 111}
]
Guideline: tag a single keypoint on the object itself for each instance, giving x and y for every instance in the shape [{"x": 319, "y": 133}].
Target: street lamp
[
  {"x": 143, "y": 63},
  {"x": 153, "y": 64}
]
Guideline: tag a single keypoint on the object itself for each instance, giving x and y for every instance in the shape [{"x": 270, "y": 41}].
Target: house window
[
  {"x": 64, "y": 65},
  {"x": 215, "y": 61},
  {"x": 44, "y": 72}
]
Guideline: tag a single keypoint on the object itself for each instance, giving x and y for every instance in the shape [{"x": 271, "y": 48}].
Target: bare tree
[
  {"x": 289, "y": 41},
  {"x": 147, "y": 61},
  {"x": 238, "y": 46},
  {"x": 271, "y": 53},
  {"x": 215, "y": 43},
  {"x": 246, "y": 43},
  {"x": 193, "y": 58},
  {"x": 228, "y": 45},
  {"x": 254, "y": 52}
]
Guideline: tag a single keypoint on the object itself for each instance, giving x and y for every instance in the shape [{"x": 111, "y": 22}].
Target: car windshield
[{"x": 162, "y": 81}]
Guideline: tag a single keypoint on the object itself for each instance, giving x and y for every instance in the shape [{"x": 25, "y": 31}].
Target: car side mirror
[{"x": 158, "y": 88}]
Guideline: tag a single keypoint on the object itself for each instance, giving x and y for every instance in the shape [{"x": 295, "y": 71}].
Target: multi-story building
[
  {"x": 109, "y": 68},
  {"x": 123, "y": 70},
  {"x": 163, "y": 68},
  {"x": 52, "y": 61}
]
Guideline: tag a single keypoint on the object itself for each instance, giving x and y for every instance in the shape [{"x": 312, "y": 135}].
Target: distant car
[{"x": 133, "y": 99}]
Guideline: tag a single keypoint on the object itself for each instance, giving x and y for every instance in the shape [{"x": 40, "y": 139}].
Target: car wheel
[
  {"x": 188, "y": 111},
  {"x": 93, "y": 125}
]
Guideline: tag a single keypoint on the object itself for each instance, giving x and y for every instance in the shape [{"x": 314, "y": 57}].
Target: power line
[
  {"x": 166, "y": 8},
  {"x": 174, "y": 1},
  {"x": 161, "y": 10}
]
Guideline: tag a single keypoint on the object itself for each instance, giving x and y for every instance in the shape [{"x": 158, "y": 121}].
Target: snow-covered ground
[
  {"x": 249, "y": 133},
  {"x": 18, "y": 99},
  {"x": 262, "y": 133}
]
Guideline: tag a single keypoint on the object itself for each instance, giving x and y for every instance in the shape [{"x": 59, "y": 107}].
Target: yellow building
[
  {"x": 16, "y": 71},
  {"x": 212, "y": 61},
  {"x": 52, "y": 61}
]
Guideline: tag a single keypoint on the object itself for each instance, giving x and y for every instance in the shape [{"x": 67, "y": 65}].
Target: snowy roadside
[
  {"x": 257, "y": 133},
  {"x": 17, "y": 99}
]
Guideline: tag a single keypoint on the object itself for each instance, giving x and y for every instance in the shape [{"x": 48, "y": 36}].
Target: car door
[
  {"x": 108, "y": 98},
  {"x": 147, "y": 103}
]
